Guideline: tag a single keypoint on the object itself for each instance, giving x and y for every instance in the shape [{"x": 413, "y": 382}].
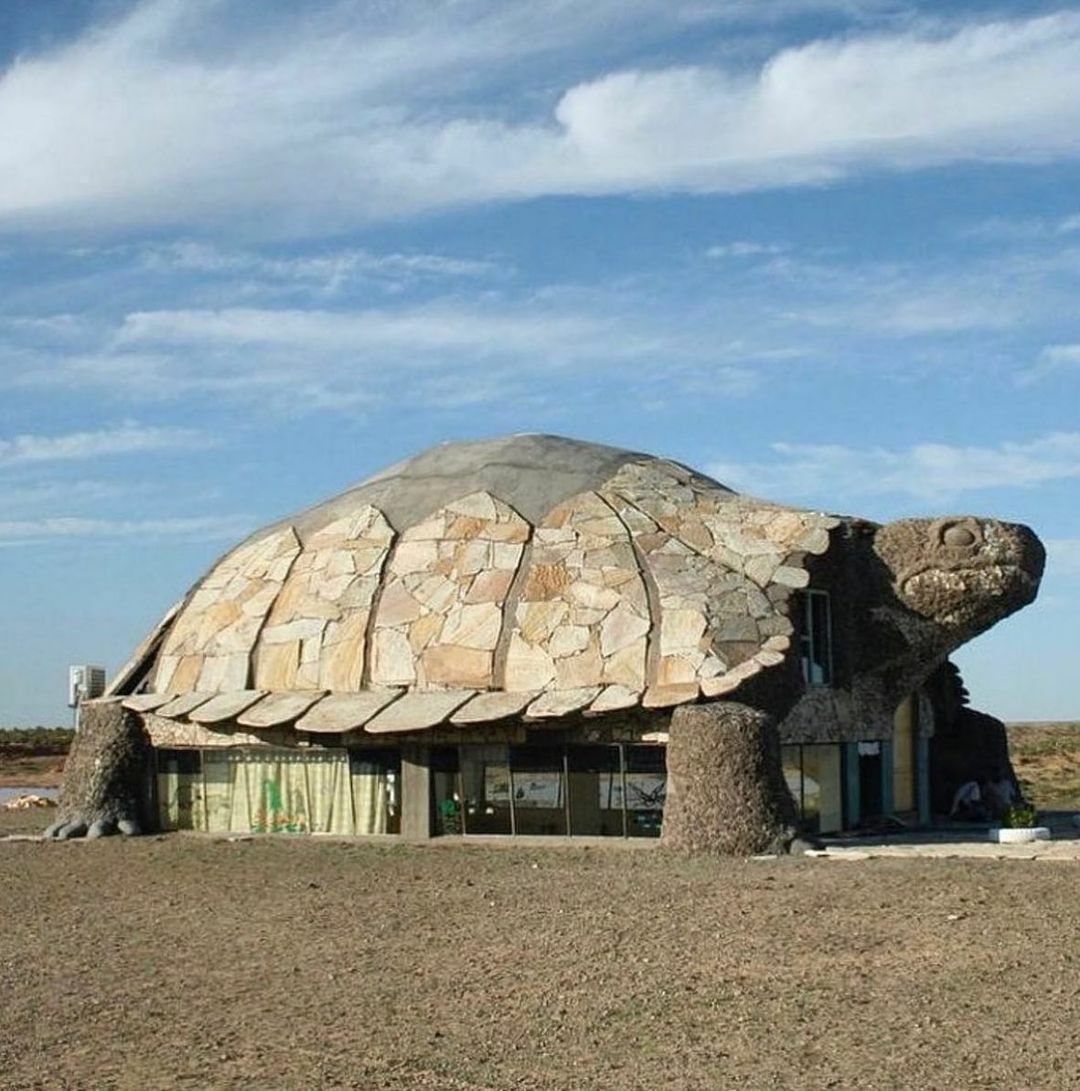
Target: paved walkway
[{"x": 960, "y": 841}]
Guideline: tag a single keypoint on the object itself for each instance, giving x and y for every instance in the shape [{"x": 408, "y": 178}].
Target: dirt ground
[
  {"x": 182, "y": 962},
  {"x": 31, "y": 770},
  {"x": 1046, "y": 757}
]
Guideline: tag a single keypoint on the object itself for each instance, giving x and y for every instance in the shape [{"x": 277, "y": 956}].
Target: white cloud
[
  {"x": 434, "y": 328},
  {"x": 927, "y": 471},
  {"x": 14, "y": 531},
  {"x": 952, "y": 294},
  {"x": 1025, "y": 229},
  {"x": 328, "y": 271},
  {"x": 340, "y": 118},
  {"x": 744, "y": 249},
  {"x": 127, "y": 439},
  {"x": 23, "y": 498},
  {"x": 295, "y": 360},
  {"x": 1053, "y": 358}
]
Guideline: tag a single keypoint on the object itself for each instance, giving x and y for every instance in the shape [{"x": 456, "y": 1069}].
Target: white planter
[{"x": 1020, "y": 835}]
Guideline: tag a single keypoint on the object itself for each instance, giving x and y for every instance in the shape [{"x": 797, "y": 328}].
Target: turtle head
[{"x": 961, "y": 573}]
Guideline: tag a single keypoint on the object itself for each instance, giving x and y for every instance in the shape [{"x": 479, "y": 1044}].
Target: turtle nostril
[{"x": 958, "y": 536}]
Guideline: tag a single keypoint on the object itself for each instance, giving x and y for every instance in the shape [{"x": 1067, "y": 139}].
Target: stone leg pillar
[
  {"x": 725, "y": 791},
  {"x": 104, "y": 774},
  {"x": 415, "y": 793}
]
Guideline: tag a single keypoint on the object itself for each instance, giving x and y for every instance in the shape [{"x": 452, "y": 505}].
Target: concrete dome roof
[{"x": 529, "y": 575}]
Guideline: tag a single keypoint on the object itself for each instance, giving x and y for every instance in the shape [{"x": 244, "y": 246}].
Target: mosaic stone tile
[
  {"x": 440, "y": 614},
  {"x": 224, "y": 616},
  {"x": 583, "y": 610},
  {"x": 315, "y": 635},
  {"x": 723, "y": 566}
]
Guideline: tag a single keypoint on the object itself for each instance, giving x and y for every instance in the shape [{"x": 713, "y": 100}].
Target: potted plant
[{"x": 1019, "y": 823}]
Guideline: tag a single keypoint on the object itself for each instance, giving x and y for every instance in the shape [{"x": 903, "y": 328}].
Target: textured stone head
[{"x": 963, "y": 573}]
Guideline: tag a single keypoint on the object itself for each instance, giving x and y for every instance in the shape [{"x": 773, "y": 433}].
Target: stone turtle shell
[{"x": 532, "y": 575}]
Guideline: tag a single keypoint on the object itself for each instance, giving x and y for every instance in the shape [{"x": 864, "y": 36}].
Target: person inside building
[
  {"x": 1001, "y": 793},
  {"x": 969, "y": 802}
]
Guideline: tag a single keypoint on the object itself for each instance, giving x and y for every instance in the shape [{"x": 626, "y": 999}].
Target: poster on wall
[
  {"x": 644, "y": 792},
  {"x": 538, "y": 790}
]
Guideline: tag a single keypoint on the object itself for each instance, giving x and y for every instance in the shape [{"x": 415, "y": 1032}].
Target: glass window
[
  {"x": 813, "y": 777},
  {"x": 485, "y": 789},
  {"x": 539, "y": 790},
  {"x": 815, "y": 638},
  {"x": 550, "y": 789},
  {"x": 375, "y": 779},
  {"x": 594, "y": 789},
  {"x": 644, "y": 789},
  {"x": 446, "y": 788}
]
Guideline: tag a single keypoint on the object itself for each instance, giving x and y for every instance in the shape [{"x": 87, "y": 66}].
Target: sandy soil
[
  {"x": 21, "y": 769},
  {"x": 190, "y": 962},
  {"x": 1046, "y": 757}
]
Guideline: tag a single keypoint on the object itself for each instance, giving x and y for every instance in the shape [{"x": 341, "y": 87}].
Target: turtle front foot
[{"x": 91, "y": 827}]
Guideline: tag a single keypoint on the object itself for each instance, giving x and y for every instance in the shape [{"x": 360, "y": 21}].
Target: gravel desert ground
[{"x": 189, "y": 962}]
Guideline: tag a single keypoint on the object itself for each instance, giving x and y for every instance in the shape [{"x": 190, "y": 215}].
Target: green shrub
[
  {"x": 37, "y": 740},
  {"x": 1019, "y": 817}
]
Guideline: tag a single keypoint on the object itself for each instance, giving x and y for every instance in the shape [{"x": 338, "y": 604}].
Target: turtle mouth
[{"x": 967, "y": 595}]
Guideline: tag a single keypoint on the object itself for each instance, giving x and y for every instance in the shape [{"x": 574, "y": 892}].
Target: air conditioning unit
[{"x": 84, "y": 684}]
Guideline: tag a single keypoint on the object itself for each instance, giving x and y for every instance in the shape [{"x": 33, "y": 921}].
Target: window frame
[{"x": 808, "y": 649}]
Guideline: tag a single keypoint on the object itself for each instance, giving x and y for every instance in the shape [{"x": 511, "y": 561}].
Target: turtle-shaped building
[{"x": 536, "y": 635}]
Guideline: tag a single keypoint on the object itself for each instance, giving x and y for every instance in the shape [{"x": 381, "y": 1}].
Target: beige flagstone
[
  {"x": 494, "y": 705},
  {"x": 224, "y": 616},
  {"x": 416, "y": 711},
  {"x": 623, "y": 626},
  {"x": 223, "y": 707},
  {"x": 440, "y": 615},
  {"x": 448, "y": 665},
  {"x": 560, "y": 702},
  {"x": 146, "y": 702},
  {"x": 664, "y": 696},
  {"x": 655, "y": 587},
  {"x": 615, "y": 697},
  {"x": 224, "y": 672},
  {"x": 528, "y": 666},
  {"x": 473, "y": 626},
  {"x": 346, "y": 711},
  {"x": 186, "y": 675},
  {"x": 180, "y": 706},
  {"x": 276, "y": 666},
  {"x": 277, "y": 709}
]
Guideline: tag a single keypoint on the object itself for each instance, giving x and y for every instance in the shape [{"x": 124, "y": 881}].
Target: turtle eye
[{"x": 958, "y": 536}]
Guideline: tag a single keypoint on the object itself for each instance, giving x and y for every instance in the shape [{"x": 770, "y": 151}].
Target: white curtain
[
  {"x": 369, "y": 790},
  {"x": 278, "y": 791}
]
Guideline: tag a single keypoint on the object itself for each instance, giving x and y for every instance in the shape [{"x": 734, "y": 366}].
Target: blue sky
[{"x": 827, "y": 250}]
